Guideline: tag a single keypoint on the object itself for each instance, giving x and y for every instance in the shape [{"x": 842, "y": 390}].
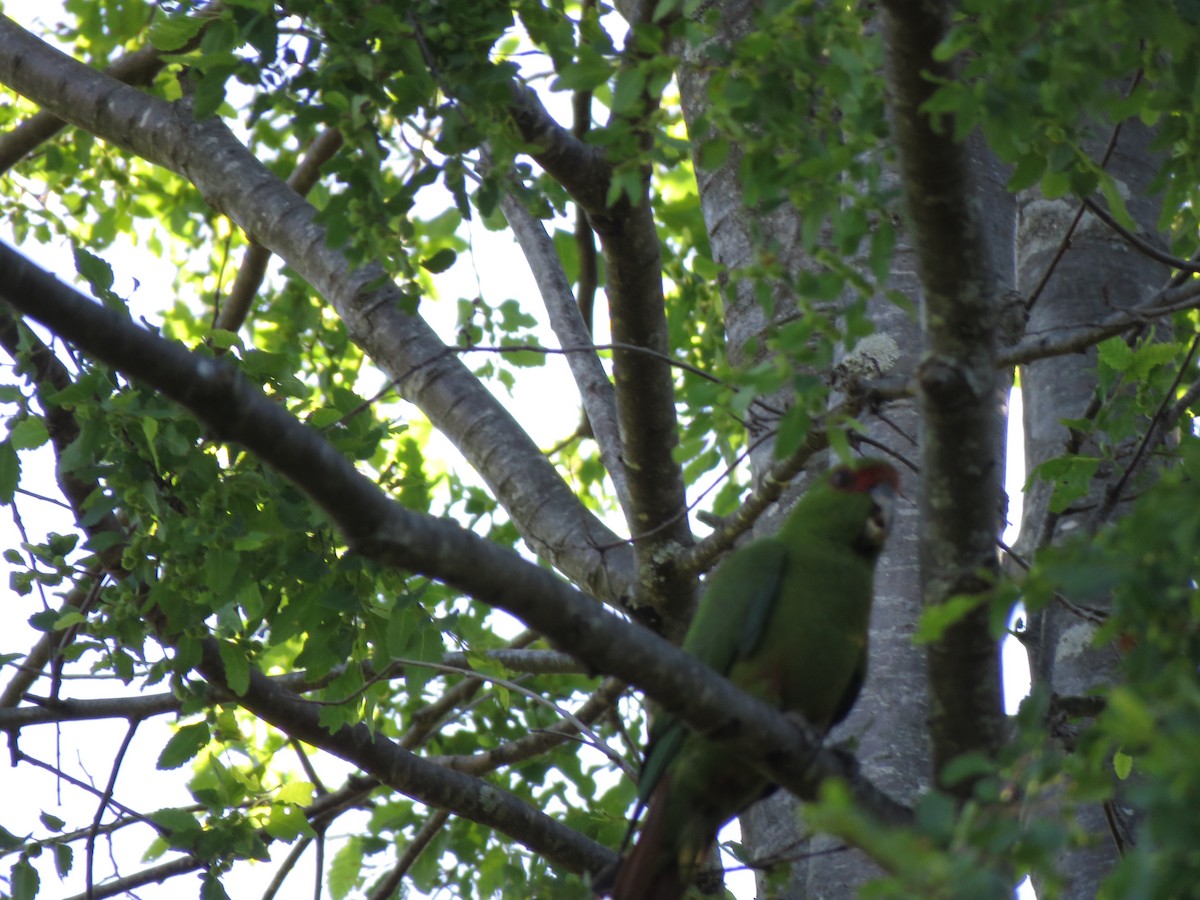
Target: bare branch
[
  {"x": 1041, "y": 346},
  {"x": 537, "y": 662},
  {"x": 138, "y": 67},
  {"x": 539, "y": 742},
  {"x": 599, "y": 402},
  {"x": 105, "y": 800},
  {"x": 386, "y": 889},
  {"x": 644, "y": 386},
  {"x": 155, "y": 875},
  {"x": 1139, "y": 243}
]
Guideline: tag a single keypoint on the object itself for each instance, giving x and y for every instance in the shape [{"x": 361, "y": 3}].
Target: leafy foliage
[{"x": 178, "y": 545}]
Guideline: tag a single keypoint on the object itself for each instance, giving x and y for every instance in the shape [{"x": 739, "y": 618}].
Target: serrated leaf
[
  {"x": 29, "y": 433},
  {"x": 64, "y": 858},
  {"x": 345, "y": 868},
  {"x": 184, "y": 745},
  {"x": 173, "y": 32},
  {"x": 298, "y": 792},
  {"x": 176, "y": 821},
  {"x": 9, "y": 841},
  {"x": 24, "y": 881},
  {"x": 237, "y": 667},
  {"x": 1115, "y": 353},
  {"x": 94, "y": 270},
  {"x": 44, "y": 620}
]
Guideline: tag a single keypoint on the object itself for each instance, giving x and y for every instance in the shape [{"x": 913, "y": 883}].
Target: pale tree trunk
[
  {"x": 1097, "y": 274},
  {"x": 889, "y": 724}
]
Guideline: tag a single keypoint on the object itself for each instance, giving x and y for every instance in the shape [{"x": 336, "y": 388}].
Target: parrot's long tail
[{"x": 651, "y": 870}]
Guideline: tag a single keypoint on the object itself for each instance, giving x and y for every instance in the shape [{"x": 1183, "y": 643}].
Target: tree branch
[
  {"x": 599, "y": 402},
  {"x": 138, "y": 67},
  {"x": 254, "y": 263},
  {"x": 1042, "y": 346},
  {"x": 409, "y": 774},
  {"x": 644, "y": 385},
  {"x": 548, "y": 515},
  {"x": 381, "y": 529},
  {"x": 540, "y": 741}
]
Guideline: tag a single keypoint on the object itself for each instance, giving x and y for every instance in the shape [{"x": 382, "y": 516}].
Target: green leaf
[
  {"x": 937, "y": 618},
  {"x": 936, "y": 815},
  {"x": 68, "y": 618},
  {"x": 713, "y": 153},
  {"x": 286, "y": 823},
  {"x": 172, "y": 32},
  {"x": 1116, "y": 202},
  {"x": 10, "y": 472},
  {"x": 299, "y": 793},
  {"x": 631, "y": 83},
  {"x": 9, "y": 841},
  {"x": 29, "y": 433},
  {"x": 966, "y": 767},
  {"x": 24, "y": 881},
  {"x": 1122, "y": 765},
  {"x": 183, "y": 745},
  {"x": 237, "y": 667},
  {"x": 793, "y": 429},
  {"x": 1071, "y": 477},
  {"x": 211, "y": 888},
  {"x": 440, "y": 261},
  {"x": 46, "y": 620},
  {"x": 95, "y": 271},
  {"x": 1115, "y": 353},
  {"x": 345, "y": 868},
  {"x": 64, "y": 858},
  {"x": 591, "y": 71}
]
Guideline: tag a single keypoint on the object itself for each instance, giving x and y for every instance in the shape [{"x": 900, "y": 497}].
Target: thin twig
[{"x": 105, "y": 799}]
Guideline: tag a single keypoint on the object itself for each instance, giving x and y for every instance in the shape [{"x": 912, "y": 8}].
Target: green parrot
[{"x": 785, "y": 618}]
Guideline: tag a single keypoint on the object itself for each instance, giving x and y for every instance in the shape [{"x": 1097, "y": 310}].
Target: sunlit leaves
[{"x": 184, "y": 745}]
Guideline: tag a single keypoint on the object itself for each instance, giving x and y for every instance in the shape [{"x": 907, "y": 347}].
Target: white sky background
[{"x": 545, "y": 400}]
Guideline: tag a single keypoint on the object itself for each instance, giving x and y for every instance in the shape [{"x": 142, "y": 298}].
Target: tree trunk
[
  {"x": 888, "y": 725},
  {"x": 1097, "y": 274}
]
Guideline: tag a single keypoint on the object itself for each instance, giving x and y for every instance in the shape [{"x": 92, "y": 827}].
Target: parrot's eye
[{"x": 842, "y": 478}]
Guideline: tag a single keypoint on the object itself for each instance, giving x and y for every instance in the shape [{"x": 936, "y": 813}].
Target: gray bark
[
  {"x": 1096, "y": 275},
  {"x": 888, "y": 725}
]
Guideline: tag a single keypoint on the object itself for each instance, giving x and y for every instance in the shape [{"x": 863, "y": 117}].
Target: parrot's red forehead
[{"x": 863, "y": 477}]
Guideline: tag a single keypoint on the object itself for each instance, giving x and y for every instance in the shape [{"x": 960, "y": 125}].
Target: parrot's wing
[
  {"x": 852, "y": 690},
  {"x": 737, "y": 604},
  {"x": 729, "y": 623}
]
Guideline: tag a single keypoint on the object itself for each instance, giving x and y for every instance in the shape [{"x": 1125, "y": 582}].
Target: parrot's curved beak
[{"x": 883, "y": 501}]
